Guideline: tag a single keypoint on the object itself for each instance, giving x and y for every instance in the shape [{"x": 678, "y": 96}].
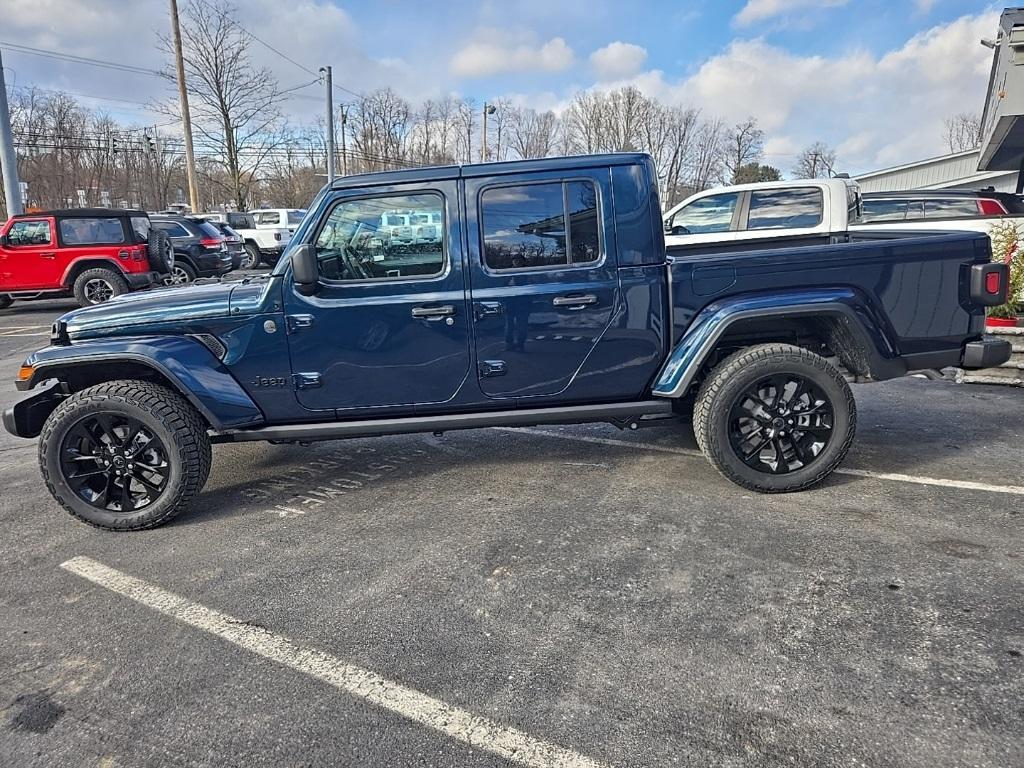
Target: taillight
[
  {"x": 992, "y": 283},
  {"x": 211, "y": 242},
  {"x": 990, "y": 207}
]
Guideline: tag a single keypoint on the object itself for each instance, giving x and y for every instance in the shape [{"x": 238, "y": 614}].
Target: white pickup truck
[
  {"x": 264, "y": 240},
  {"x": 810, "y": 208},
  {"x": 827, "y": 209}
]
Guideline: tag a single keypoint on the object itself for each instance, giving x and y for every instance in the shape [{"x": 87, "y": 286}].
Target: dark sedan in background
[{"x": 199, "y": 249}]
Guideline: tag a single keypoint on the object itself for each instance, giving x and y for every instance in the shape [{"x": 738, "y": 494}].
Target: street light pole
[
  {"x": 8, "y": 157},
  {"x": 329, "y": 84},
  {"x": 489, "y": 109},
  {"x": 344, "y": 151},
  {"x": 186, "y": 118}
]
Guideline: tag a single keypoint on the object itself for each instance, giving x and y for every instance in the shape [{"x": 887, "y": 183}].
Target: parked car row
[{"x": 95, "y": 254}]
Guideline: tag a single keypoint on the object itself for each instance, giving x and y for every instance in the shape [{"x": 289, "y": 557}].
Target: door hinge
[
  {"x": 294, "y": 322},
  {"x": 306, "y": 380}
]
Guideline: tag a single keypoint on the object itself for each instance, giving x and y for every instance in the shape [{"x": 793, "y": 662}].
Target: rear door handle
[
  {"x": 48, "y": 255},
  {"x": 431, "y": 313},
  {"x": 577, "y": 302}
]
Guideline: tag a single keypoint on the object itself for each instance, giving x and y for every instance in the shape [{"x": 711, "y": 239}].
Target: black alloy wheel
[
  {"x": 114, "y": 462},
  {"x": 780, "y": 424}
]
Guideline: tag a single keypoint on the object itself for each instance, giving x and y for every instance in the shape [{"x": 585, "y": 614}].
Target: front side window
[
  {"x": 707, "y": 215},
  {"x": 947, "y": 209},
  {"x": 372, "y": 239},
  {"x": 884, "y": 210},
  {"x": 524, "y": 226},
  {"x": 785, "y": 208},
  {"x": 91, "y": 231},
  {"x": 29, "y": 233}
]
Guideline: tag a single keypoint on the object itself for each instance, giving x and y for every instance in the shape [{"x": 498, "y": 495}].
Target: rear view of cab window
[{"x": 785, "y": 208}]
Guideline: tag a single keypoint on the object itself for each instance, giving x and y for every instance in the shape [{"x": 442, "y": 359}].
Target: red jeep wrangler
[{"x": 93, "y": 254}]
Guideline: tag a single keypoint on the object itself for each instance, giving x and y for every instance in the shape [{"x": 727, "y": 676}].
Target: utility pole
[
  {"x": 329, "y": 84},
  {"x": 344, "y": 151},
  {"x": 8, "y": 158},
  {"x": 489, "y": 109},
  {"x": 186, "y": 119}
]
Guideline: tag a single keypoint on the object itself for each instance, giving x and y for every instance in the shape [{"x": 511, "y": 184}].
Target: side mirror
[
  {"x": 4, "y": 241},
  {"x": 668, "y": 226},
  {"x": 305, "y": 269}
]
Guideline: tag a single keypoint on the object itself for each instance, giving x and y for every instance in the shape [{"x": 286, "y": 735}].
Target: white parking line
[
  {"x": 459, "y": 724},
  {"x": 13, "y": 335},
  {"x": 1015, "y": 490}
]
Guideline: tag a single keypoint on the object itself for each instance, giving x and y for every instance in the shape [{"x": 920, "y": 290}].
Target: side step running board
[{"x": 335, "y": 430}]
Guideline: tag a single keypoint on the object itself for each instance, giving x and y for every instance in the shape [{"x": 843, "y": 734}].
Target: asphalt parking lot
[{"x": 574, "y": 597}]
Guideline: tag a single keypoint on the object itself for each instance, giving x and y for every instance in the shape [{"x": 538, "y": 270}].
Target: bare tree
[
  {"x": 743, "y": 145},
  {"x": 380, "y": 127},
  {"x": 706, "y": 158},
  {"x": 235, "y": 105},
  {"x": 531, "y": 133},
  {"x": 962, "y": 132},
  {"x": 815, "y": 162}
]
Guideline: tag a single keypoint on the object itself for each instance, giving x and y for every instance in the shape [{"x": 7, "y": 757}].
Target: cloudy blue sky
[{"x": 874, "y": 78}]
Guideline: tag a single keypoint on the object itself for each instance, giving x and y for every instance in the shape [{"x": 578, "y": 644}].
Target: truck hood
[{"x": 162, "y": 310}]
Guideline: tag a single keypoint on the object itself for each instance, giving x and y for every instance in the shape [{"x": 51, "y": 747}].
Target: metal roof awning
[{"x": 1002, "y": 146}]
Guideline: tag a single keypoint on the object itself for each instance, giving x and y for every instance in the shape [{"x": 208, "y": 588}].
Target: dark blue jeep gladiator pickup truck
[{"x": 511, "y": 294}]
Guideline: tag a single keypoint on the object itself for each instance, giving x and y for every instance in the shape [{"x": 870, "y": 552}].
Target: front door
[
  {"x": 544, "y": 284},
  {"x": 390, "y": 323},
  {"x": 29, "y": 258}
]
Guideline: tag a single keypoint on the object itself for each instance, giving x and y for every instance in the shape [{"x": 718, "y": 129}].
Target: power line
[{"x": 81, "y": 59}]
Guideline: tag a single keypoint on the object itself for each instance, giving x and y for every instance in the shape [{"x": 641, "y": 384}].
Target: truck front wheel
[
  {"x": 124, "y": 455},
  {"x": 775, "y": 418}
]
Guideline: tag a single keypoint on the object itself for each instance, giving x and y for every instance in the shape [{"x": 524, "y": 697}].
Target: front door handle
[
  {"x": 575, "y": 302},
  {"x": 433, "y": 313},
  {"x": 48, "y": 255}
]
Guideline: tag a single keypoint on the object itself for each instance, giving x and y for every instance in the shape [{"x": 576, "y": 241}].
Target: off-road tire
[
  {"x": 731, "y": 378},
  {"x": 160, "y": 251},
  {"x": 178, "y": 425},
  {"x": 252, "y": 257},
  {"x": 117, "y": 284},
  {"x": 5, "y": 301}
]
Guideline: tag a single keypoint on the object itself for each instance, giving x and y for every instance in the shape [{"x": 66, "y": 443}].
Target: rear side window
[
  {"x": 785, "y": 208},
  {"x": 269, "y": 217},
  {"x": 524, "y": 227},
  {"x": 141, "y": 226},
  {"x": 91, "y": 231},
  {"x": 172, "y": 228},
  {"x": 208, "y": 229},
  {"x": 29, "y": 233},
  {"x": 939, "y": 208},
  {"x": 295, "y": 217}
]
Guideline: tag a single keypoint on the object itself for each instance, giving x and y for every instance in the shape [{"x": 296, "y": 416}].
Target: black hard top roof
[
  {"x": 439, "y": 172},
  {"x": 80, "y": 213}
]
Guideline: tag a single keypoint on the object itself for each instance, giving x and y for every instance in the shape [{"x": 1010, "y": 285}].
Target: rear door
[
  {"x": 100, "y": 237},
  {"x": 544, "y": 282},
  {"x": 29, "y": 259}
]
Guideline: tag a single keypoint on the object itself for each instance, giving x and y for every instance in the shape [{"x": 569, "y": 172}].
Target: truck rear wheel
[
  {"x": 124, "y": 455},
  {"x": 95, "y": 286},
  {"x": 775, "y": 418}
]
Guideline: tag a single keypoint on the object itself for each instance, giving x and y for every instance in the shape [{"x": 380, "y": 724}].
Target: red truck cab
[{"x": 92, "y": 254}]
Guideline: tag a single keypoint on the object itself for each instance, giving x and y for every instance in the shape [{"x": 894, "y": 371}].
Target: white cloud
[
  {"x": 493, "y": 53},
  {"x": 877, "y": 110},
  {"x": 761, "y": 10},
  {"x": 617, "y": 60},
  {"x": 924, "y": 6}
]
